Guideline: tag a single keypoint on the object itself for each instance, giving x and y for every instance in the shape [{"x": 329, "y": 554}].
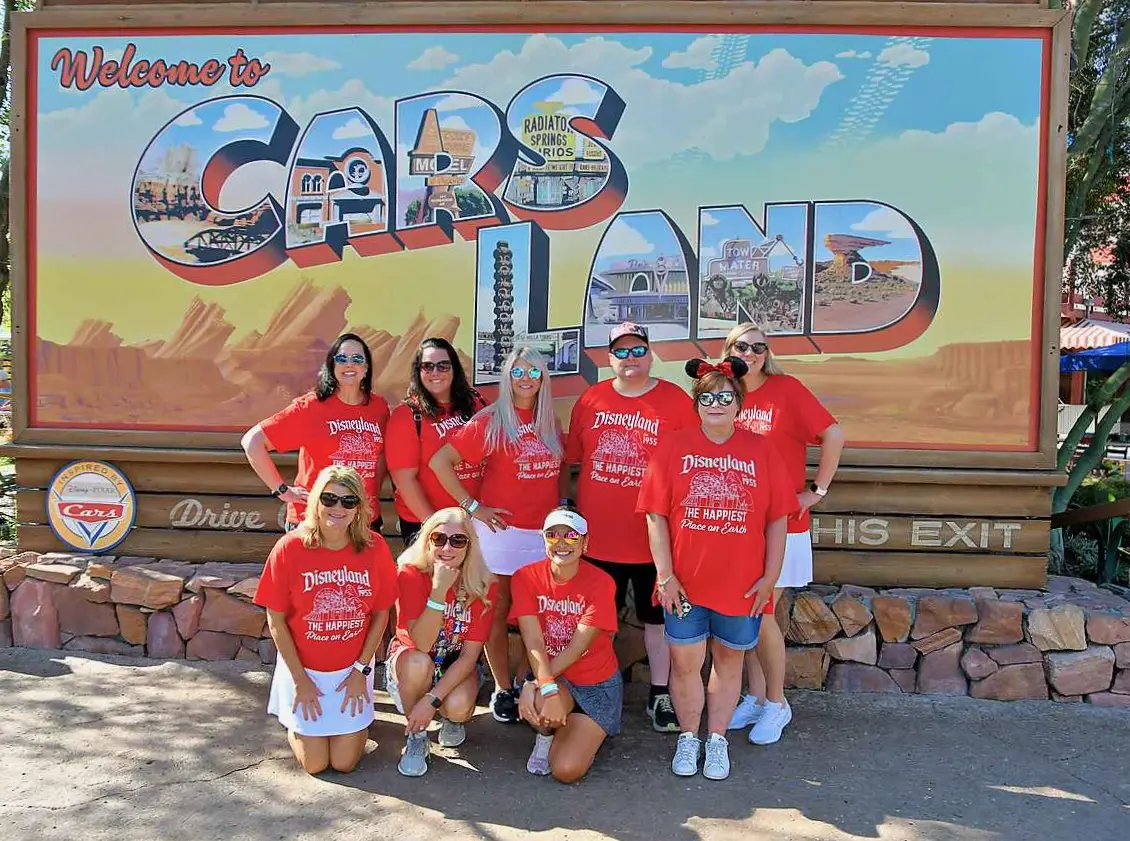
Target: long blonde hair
[
  {"x": 502, "y": 416},
  {"x": 770, "y": 367},
  {"x": 310, "y": 529},
  {"x": 474, "y": 577}
]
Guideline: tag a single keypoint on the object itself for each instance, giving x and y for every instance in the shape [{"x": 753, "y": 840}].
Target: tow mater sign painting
[{"x": 211, "y": 210}]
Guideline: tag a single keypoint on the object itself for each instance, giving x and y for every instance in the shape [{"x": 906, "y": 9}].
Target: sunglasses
[
  {"x": 637, "y": 352},
  {"x": 516, "y": 373},
  {"x": 330, "y": 500},
  {"x": 571, "y": 538},
  {"x": 356, "y": 358},
  {"x": 722, "y": 398},
  {"x": 439, "y": 539},
  {"x": 746, "y": 347},
  {"x": 429, "y": 367}
]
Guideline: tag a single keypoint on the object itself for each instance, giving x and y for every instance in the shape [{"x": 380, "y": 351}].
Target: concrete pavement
[{"x": 114, "y": 748}]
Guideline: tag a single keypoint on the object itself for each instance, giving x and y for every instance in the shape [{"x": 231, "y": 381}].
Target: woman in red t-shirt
[
  {"x": 327, "y": 587},
  {"x": 716, "y": 498},
  {"x": 782, "y": 409},
  {"x": 439, "y": 401},
  {"x": 443, "y": 618},
  {"x": 340, "y": 422},
  {"x": 565, "y": 608},
  {"x": 519, "y": 442}
]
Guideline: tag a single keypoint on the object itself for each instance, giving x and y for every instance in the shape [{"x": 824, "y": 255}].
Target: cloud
[
  {"x": 622, "y": 240},
  {"x": 356, "y": 127},
  {"x": 664, "y": 118},
  {"x": 707, "y": 252},
  {"x": 460, "y": 102},
  {"x": 457, "y": 123},
  {"x": 352, "y": 94},
  {"x": 298, "y": 64},
  {"x": 903, "y": 55},
  {"x": 239, "y": 117},
  {"x": 575, "y": 92},
  {"x": 886, "y": 222},
  {"x": 705, "y": 218},
  {"x": 188, "y": 119},
  {"x": 433, "y": 58},
  {"x": 698, "y": 56},
  {"x": 853, "y": 54}
]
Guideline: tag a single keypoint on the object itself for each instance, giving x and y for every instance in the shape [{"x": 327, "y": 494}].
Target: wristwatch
[
  {"x": 816, "y": 489},
  {"x": 436, "y": 702},
  {"x": 280, "y": 490},
  {"x": 362, "y": 668}
]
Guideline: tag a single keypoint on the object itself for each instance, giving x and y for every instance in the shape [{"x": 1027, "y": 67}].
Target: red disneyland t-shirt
[
  {"x": 462, "y": 622},
  {"x": 405, "y": 449},
  {"x": 328, "y": 596},
  {"x": 612, "y": 437},
  {"x": 589, "y": 598},
  {"x": 789, "y": 415},
  {"x": 718, "y": 500},
  {"x": 329, "y": 432},
  {"x": 522, "y": 478}
]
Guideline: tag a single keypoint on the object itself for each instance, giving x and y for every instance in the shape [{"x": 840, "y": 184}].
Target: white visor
[{"x": 566, "y": 518}]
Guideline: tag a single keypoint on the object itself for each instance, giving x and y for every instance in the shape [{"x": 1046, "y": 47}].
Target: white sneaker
[
  {"x": 685, "y": 763},
  {"x": 414, "y": 758},
  {"x": 747, "y": 712},
  {"x": 774, "y": 719},
  {"x": 717, "y": 765},
  {"x": 451, "y": 734},
  {"x": 538, "y": 763}
]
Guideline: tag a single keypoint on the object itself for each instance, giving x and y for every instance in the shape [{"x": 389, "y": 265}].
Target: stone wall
[{"x": 1070, "y": 643}]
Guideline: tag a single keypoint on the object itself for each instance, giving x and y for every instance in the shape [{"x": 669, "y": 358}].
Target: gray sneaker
[
  {"x": 451, "y": 734},
  {"x": 685, "y": 763},
  {"x": 414, "y": 758},
  {"x": 717, "y": 765}
]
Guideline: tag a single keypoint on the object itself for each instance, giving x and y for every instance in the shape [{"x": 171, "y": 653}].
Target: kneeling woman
[
  {"x": 444, "y": 614},
  {"x": 566, "y": 610},
  {"x": 327, "y": 587}
]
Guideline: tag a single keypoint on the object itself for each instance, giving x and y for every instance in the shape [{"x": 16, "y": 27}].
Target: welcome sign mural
[{"x": 212, "y": 210}]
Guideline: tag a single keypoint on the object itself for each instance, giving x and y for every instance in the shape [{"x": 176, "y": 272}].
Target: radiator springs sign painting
[{"x": 211, "y": 210}]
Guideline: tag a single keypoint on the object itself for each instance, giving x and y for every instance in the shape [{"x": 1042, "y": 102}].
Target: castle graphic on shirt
[
  {"x": 616, "y": 446},
  {"x": 724, "y": 491},
  {"x": 337, "y": 614},
  {"x": 357, "y": 450},
  {"x": 534, "y": 459},
  {"x": 558, "y": 633}
]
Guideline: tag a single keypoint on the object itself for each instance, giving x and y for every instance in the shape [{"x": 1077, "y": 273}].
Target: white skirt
[
  {"x": 332, "y": 721},
  {"x": 796, "y": 570},
  {"x": 508, "y": 550}
]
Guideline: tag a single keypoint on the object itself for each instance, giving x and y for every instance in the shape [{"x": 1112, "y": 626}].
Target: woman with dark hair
[
  {"x": 716, "y": 498},
  {"x": 327, "y": 587},
  {"x": 341, "y": 422},
  {"x": 439, "y": 401}
]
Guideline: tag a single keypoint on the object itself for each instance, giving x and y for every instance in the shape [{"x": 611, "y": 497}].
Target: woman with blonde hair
[
  {"x": 519, "y": 442},
  {"x": 782, "y": 409},
  {"x": 443, "y": 618},
  {"x": 327, "y": 587}
]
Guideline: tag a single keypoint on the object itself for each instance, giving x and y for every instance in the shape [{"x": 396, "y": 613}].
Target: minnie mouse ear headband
[{"x": 731, "y": 367}]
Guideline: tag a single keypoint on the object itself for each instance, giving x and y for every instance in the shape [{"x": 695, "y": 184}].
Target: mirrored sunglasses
[
  {"x": 722, "y": 398},
  {"x": 429, "y": 367},
  {"x": 516, "y": 373},
  {"x": 754, "y": 347},
  {"x": 356, "y": 358},
  {"x": 571, "y": 538},
  {"x": 330, "y": 500},
  {"x": 637, "y": 352},
  {"x": 439, "y": 539}
]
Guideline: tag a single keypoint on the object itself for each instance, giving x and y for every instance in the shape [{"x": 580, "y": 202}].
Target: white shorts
[
  {"x": 796, "y": 570},
  {"x": 332, "y": 721},
  {"x": 508, "y": 550}
]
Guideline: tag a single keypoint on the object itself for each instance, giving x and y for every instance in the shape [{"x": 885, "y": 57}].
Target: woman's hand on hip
[
  {"x": 492, "y": 517},
  {"x": 356, "y": 690},
  {"x": 762, "y": 592},
  {"x": 306, "y": 695},
  {"x": 296, "y": 495}
]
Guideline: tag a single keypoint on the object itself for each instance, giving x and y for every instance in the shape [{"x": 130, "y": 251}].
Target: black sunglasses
[
  {"x": 722, "y": 398},
  {"x": 442, "y": 367},
  {"x": 638, "y": 351},
  {"x": 356, "y": 359},
  {"x": 745, "y": 347},
  {"x": 330, "y": 500},
  {"x": 439, "y": 539}
]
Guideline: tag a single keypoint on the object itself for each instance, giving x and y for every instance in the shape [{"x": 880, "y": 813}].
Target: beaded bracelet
[
  {"x": 548, "y": 689},
  {"x": 434, "y": 605}
]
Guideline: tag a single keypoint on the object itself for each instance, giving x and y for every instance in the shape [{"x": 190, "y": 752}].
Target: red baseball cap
[{"x": 628, "y": 328}]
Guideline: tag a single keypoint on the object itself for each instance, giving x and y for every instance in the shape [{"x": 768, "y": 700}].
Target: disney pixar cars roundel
[{"x": 91, "y": 506}]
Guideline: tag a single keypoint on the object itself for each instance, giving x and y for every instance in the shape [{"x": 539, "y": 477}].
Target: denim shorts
[{"x": 737, "y": 632}]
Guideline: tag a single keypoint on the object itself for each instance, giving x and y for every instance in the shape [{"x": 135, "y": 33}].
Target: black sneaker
[
  {"x": 662, "y": 714},
  {"x": 504, "y": 706}
]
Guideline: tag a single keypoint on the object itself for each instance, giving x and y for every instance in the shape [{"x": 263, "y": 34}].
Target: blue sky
[
  {"x": 867, "y": 220},
  {"x": 788, "y": 221},
  {"x": 642, "y": 236}
]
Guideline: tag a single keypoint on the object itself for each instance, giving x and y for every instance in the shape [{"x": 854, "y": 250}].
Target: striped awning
[{"x": 1089, "y": 334}]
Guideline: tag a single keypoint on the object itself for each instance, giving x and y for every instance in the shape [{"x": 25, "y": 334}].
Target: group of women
[{"x": 698, "y": 505}]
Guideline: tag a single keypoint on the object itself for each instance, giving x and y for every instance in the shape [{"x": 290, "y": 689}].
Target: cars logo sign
[{"x": 91, "y": 506}]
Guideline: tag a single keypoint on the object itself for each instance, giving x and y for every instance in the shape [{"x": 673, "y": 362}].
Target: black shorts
[{"x": 642, "y": 577}]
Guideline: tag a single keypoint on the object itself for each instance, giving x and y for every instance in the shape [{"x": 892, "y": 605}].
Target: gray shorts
[{"x": 602, "y": 702}]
